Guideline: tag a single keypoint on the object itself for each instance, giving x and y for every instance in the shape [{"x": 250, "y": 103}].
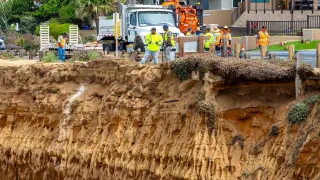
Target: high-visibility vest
[
  {"x": 263, "y": 38},
  {"x": 188, "y": 34},
  {"x": 154, "y": 42},
  {"x": 61, "y": 42},
  {"x": 208, "y": 42},
  {"x": 228, "y": 37},
  {"x": 217, "y": 34},
  {"x": 166, "y": 38}
]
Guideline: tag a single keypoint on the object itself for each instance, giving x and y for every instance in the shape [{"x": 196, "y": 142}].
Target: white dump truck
[{"x": 136, "y": 22}]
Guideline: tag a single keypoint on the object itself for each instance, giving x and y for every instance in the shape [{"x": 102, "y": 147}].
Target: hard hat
[
  {"x": 165, "y": 26},
  {"x": 225, "y": 27},
  {"x": 153, "y": 29},
  {"x": 216, "y": 30},
  {"x": 198, "y": 29}
]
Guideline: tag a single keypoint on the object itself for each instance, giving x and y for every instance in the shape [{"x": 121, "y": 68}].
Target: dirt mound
[{"x": 115, "y": 119}]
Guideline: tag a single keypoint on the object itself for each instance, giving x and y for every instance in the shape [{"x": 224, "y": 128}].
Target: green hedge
[
  {"x": 301, "y": 111},
  {"x": 56, "y": 28}
]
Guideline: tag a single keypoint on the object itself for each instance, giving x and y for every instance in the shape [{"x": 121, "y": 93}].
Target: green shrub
[
  {"x": 67, "y": 14},
  {"x": 298, "y": 113},
  {"x": 89, "y": 39},
  {"x": 86, "y": 56},
  {"x": 56, "y": 28},
  {"x": 7, "y": 56},
  {"x": 312, "y": 100},
  {"x": 30, "y": 46},
  {"x": 49, "y": 58},
  {"x": 20, "y": 42},
  {"x": 28, "y": 24},
  {"x": 93, "y": 55}
]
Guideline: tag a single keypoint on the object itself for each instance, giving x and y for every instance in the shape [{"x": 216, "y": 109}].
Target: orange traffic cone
[{"x": 243, "y": 48}]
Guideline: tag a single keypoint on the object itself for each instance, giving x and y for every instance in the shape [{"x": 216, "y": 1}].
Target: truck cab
[{"x": 138, "y": 20}]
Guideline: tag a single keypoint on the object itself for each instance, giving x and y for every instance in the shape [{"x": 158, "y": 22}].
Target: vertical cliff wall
[{"x": 117, "y": 120}]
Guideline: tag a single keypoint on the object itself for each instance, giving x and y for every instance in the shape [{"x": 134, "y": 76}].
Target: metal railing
[
  {"x": 313, "y": 21},
  {"x": 238, "y": 12},
  {"x": 290, "y": 28}
]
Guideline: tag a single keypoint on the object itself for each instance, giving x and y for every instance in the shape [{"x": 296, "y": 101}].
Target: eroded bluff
[{"x": 114, "y": 119}]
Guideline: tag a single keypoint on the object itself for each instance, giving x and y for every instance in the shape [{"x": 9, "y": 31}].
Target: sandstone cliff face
[{"x": 117, "y": 120}]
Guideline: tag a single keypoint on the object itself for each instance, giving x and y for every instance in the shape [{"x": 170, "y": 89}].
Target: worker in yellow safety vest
[
  {"x": 217, "y": 34},
  {"x": 263, "y": 41},
  {"x": 225, "y": 41},
  {"x": 154, "y": 42},
  {"x": 168, "y": 41},
  {"x": 210, "y": 41},
  {"x": 189, "y": 33},
  {"x": 62, "y": 42}
]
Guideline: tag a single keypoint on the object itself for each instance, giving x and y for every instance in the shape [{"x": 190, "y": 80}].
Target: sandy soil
[
  {"x": 16, "y": 62},
  {"x": 117, "y": 120}
]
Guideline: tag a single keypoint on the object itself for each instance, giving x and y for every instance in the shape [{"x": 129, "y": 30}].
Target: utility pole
[
  {"x": 292, "y": 15},
  {"x": 116, "y": 33},
  {"x": 116, "y": 28}
]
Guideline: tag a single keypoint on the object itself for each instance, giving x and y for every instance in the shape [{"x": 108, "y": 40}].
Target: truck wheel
[{"x": 138, "y": 44}]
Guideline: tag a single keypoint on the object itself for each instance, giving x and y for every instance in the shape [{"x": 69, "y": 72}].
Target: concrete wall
[
  {"x": 220, "y": 4},
  {"x": 260, "y": 6},
  {"x": 220, "y": 17},
  {"x": 311, "y": 34},
  {"x": 226, "y": 4}
]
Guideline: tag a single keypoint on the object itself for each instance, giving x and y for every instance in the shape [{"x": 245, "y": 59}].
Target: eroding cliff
[{"x": 115, "y": 119}]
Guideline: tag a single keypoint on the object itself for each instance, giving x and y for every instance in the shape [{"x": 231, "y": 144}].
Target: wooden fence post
[
  {"x": 238, "y": 48},
  {"x": 291, "y": 52},
  {"x": 201, "y": 44},
  {"x": 30, "y": 55},
  {"x": 41, "y": 54},
  {"x": 212, "y": 49},
  {"x": 181, "y": 47},
  {"x": 298, "y": 82},
  {"x": 318, "y": 55}
]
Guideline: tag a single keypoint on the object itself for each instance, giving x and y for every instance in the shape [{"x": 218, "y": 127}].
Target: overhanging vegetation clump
[
  {"x": 233, "y": 69},
  {"x": 301, "y": 111}
]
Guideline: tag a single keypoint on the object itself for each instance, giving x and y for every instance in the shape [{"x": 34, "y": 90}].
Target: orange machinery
[{"x": 188, "y": 15}]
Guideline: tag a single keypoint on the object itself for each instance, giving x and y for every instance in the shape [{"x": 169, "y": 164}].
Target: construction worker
[
  {"x": 225, "y": 41},
  {"x": 198, "y": 31},
  {"x": 168, "y": 41},
  {"x": 154, "y": 42},
  {"x": 210, "y": 41},
  {"x": 263, "y": 41},
  {"x": 189, "y": 33},
  {"x": 62, "y": 42},
  {"x": 217, "y": 34}
]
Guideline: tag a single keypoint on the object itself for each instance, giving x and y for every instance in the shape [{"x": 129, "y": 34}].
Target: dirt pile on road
[{"x": 114, "y": 119}]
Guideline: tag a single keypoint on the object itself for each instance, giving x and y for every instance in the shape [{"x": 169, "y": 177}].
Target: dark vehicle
[
  {"x": 304, "y": 4},
  {"x": 2, "y": 46}
]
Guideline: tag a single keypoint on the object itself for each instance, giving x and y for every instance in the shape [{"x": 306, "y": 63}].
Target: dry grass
[{"x": 232, "y": 69}]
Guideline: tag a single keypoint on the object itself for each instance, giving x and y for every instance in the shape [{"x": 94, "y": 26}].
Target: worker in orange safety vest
[
  {"x": 225, "y": 41},
  {"x": 263, "y": 41}
]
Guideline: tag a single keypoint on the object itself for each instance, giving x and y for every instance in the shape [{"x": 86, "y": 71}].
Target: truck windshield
[{"x": 154, "y": 18}]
